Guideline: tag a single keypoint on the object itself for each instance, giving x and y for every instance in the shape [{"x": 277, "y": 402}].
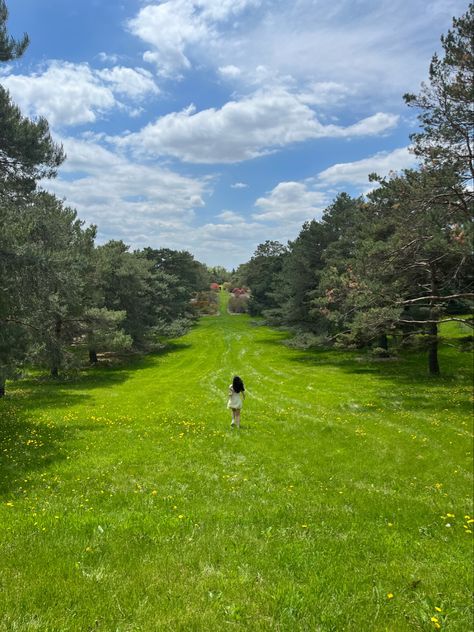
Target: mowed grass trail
[{"x": 344, "y": 503}]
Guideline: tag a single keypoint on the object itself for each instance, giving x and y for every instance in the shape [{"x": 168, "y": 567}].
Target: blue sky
[{"x": 213, "y": 125}]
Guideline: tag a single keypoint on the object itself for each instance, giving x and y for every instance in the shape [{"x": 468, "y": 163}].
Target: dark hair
[{"x": 238, "y": 385}]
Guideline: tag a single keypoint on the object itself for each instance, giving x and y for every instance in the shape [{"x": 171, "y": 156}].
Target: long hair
[{"x": 238, "y": 385}]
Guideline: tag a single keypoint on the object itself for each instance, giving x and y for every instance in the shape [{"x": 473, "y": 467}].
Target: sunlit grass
[{"x": 344, "y": 503}]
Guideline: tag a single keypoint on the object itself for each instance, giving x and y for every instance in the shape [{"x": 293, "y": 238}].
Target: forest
[
  {"x": 388, "y": 268},
  {"x": 378, "y": 271}
]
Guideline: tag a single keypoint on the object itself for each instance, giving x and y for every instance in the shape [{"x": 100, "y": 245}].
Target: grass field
[{"x": 344, "y": 502}]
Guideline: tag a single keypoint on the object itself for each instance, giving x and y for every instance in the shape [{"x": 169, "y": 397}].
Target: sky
[{"x": 214, "y": 125}]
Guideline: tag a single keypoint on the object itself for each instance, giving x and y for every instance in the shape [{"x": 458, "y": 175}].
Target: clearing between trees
[{"x": 344, "y": 503}]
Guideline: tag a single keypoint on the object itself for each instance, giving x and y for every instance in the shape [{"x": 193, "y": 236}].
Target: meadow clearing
[{"x": 344, "y": 502}]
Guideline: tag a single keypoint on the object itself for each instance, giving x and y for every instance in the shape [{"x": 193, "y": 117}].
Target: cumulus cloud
[
  {"x": 138, "y": 203},
  {"x": 382, "y": 47},
  {"x": 245, "y": 129},
  {"x": 229, "y": 72},
  {"x": 73, "y": 94},
  {"x": 230, "y": 216},
  {"x": 172, "y": 27},
  {"x": 239, "y": 185},
  {"x": 291, "y": 201},
  {"x": 368, "y": 47},
  {"x": 108, "y": 57},
  {"x": 135, "y": 83},
  {"x": 228, "y": 242},
  {"x": 356, "y": 173}
]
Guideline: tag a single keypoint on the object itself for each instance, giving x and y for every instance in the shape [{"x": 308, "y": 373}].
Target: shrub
[{"x": 238, "y": 304}]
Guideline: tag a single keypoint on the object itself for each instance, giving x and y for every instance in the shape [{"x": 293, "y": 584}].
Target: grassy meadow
[{"x": 127, "y": 503}]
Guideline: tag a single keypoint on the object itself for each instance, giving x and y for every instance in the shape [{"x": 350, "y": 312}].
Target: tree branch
[
  {"x": 436, "y": 298},
  {"x": 469, "y": 323}
]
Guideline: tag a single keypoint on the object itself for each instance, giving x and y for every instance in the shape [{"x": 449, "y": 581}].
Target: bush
[
  {"x": 238, "y": 304},
  {"x": 307, "y": 340},
  {"x": 380, "y": 352}
]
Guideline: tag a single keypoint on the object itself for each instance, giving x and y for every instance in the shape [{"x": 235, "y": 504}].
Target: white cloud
[
  {"x": 291, "y": 201},
  {"x": 370, "y": 48},
  {"x": 141, "y": 204},
  {"x": 73, "y": 94},
  {"x": 239, "y": 185},
  {"x": 356, "y": 173},
  {"x": 172, "y": 27},
  {"x": 226, "y": 243},
  {"x": 372, "y": 125},
  {"x": 245, "y": 129},
  {"x": 380, "y": 48},
  {"x": 230, "y": 216},
  {"x": 108, "y": 57},
  {"x": 229, "y": 72},
  {"x": 67, "y": 94},
  {"x": 135, "y": 83},
  {"x": 326, "y": 93}
]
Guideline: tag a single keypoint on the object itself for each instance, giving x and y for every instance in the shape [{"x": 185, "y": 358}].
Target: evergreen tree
[
  {"x": 27, "y": 151},
  {"x": 446, "y": 104},
  {"x": 9, "y": 47},
  {"x": 261, "y": 275}
]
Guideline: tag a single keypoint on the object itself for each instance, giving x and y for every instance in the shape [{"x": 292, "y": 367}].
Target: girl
[{"x": 236, "y": 399}]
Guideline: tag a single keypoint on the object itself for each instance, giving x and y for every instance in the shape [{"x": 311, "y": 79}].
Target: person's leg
[
  {"x": 237, "y": 418},
  {"x": 232, "y": 423}
]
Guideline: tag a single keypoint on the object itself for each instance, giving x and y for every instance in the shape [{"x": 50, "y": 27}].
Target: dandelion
[
  {"x": 389, "y": 595},
  {"x": 438, "y": 609}
]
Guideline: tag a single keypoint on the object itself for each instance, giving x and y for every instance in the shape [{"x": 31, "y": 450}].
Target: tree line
[
  {"x": 60, "y": 293},
  {"x": 398, "y": 262}
]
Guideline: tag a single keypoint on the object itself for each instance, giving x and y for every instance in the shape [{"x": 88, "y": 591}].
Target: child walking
[{"x": 236, "y": 400}]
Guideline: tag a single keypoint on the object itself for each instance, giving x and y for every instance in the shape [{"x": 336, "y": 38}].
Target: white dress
[{"x": 235, "y": 399}]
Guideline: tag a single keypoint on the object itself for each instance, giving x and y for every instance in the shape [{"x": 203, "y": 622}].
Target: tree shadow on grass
[
  {"x": 30, "y": 446},
  {"x": 43, "y": 390},
  {"x": 401, "y": 382},
  {"x": 30, "y": 443}
]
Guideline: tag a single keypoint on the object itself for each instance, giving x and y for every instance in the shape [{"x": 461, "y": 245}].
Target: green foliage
[
  {"x": 193, "y": 276},
  {"x": 446, "y": 114},
  {"x": 9, "y": 47},
  {"x": 401, "y": 261},
  {"x": 27, "y": 151},
  {"x": 218, "y": 274},
  {"x": 260, "y": 273},
  {"x": 102, "y": 331},
  {"x": 127, "y": 493}
]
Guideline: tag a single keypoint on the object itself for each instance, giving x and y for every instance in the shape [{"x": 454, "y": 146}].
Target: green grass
[{"x": 128, "y": 503}]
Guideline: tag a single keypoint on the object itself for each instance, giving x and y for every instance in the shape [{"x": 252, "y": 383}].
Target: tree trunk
[
  {"x": 56, "y": 358},
  {"x": 2, "y": 387},
  {"x": 433, "y": 362},
  {"x": 93, "y": 356},
  {"x": 383, "y": 342}
]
